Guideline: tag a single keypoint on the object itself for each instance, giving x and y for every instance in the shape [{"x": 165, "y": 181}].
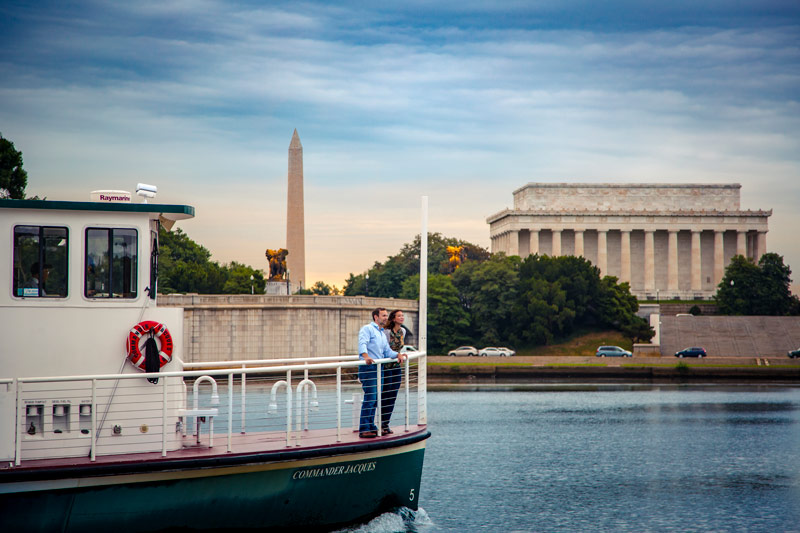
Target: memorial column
[
  {"x": 697, "y": 262},
  {"x": 719, "y": 257},
  {"x": 625, "y": 257},
  {"x": 534, "y": 241},
  {"x": 513, "y": 245},
  {"x": 741, "y": 243},
  {"x": 578, "y": 243},
  {"x": 761, "y": 245},
  {"x": 602, "y": 251},
  {"x": 672, "y": 261},
  {"x": 556, "y": 243},
  {"x": 649, "y": 261}
]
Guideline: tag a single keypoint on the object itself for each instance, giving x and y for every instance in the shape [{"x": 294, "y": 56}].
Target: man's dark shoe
[
  {"x": 387, "y": 430},
  {"x": 368, "y": 434}
]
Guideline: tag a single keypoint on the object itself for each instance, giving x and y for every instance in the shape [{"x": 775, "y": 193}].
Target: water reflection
[{"x": 632, "y": 458}]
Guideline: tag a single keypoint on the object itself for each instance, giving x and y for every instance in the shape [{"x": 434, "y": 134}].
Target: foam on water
[{"x": 402, "y": 520}]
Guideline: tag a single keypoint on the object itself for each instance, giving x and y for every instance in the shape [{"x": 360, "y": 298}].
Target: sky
[{"x": 461, "y": 101}]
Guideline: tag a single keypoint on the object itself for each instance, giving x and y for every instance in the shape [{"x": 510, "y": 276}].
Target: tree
[
  {"x": 185, "y": 266},
  {"x": 556, "y": 294},
  {"x": 617, "y": 308},
  {"x": 762, "y": 289},
  {"x": 238, "y": 280},
  {"x": 13, "y": 178},
  {"x": 542, "y": 312},
  {"x": 448, "y": 322},
  {"x": 386, "y": 279},
  {"x": 487, "y": 291},
  {"x": 321, "y": 288}
]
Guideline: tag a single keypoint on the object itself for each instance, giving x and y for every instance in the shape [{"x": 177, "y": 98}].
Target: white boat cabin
[{"x": 74, "y": 279}]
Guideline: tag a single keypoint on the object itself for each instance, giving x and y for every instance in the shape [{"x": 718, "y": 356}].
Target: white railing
[{"x": 311, "y": 394}]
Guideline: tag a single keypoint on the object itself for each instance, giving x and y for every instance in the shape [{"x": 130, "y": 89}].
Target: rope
[{"x": 121, "y": 368}]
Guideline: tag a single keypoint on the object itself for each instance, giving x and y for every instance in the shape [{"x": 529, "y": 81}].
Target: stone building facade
[
  {"x": 241, "y": 326},
  {"x": 667, "y": 240}
]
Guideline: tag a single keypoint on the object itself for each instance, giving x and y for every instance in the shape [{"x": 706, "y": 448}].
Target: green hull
[{"x": 312, "y": 493}]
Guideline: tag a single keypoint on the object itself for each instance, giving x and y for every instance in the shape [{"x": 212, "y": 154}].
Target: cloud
[{"x": 461, "y": 101}]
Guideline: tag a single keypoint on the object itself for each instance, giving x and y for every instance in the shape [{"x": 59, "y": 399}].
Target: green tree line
[
  {"x": 762, "y": 288},
  {"x": 386, "y": 279},
  {"x": 496, "y": 299},
  {"x": 185, "y": 266},
  {"x": 13, "y": 178}
]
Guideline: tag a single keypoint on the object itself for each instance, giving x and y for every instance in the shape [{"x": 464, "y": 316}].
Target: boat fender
[{"x": 154, "y": 330}]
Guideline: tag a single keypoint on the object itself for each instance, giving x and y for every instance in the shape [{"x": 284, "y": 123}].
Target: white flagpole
[{"x": 422, "y": 376}]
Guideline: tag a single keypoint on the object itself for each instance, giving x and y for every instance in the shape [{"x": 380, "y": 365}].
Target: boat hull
[{"x": 316, "y": 489}]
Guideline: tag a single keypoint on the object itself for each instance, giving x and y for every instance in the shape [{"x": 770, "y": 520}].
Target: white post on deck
[
  {"x": 422, "y": 374},
  {"x": 163, "y": 417},
  {"x": 378, "y": 383},
  {"x": 93, "y": 448},
  {"x": 306, "y": 398},
  {"x": 338, "y": 404},
  {"x": 288, "y": 408},
  {"x": 244, "y": 388},
  {"x": 230, "y": 411},
  {"x": 407, "y": 368},
  {"x": 20, "y": 426}
]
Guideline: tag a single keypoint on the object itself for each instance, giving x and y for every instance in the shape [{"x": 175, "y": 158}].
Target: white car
[
  {"x": 491, "y": 351},
  {"x": 408, "y": 348},
  {"x": 469, "y": 351},
  {"x": 508, "y": 351}
]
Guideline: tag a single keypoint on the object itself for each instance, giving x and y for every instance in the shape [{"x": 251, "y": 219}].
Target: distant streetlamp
[
  {"x": 367, "y": 291},
  {"x": 252, "y": 287},
  {"x": 288, "y": 287}
]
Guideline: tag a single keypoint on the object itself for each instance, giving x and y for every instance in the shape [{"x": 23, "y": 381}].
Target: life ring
[{"x": 160, "y": 332}]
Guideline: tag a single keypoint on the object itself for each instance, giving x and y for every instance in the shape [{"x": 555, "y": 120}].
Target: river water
[{"x": 609, "y": 458}]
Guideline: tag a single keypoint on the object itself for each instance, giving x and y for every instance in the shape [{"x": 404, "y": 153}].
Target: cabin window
[
  {"x": 111, "y": 263},
  {"x": 40, "y": 261}
]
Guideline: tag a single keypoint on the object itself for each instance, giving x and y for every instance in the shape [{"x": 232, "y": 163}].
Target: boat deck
[{"x": 311, "y": 442}]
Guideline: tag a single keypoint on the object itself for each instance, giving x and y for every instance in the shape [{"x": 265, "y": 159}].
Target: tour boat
[{"x": 107, "y": 428}]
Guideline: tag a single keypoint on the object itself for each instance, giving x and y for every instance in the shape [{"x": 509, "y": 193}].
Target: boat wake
[{"x": 402, "y": 520}]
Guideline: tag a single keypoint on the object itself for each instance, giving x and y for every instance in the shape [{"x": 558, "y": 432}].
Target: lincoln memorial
[{"x": 668, "y": 240}]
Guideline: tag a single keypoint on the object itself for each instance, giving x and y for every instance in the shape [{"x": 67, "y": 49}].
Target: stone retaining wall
[{"x": 243, "y": 326}]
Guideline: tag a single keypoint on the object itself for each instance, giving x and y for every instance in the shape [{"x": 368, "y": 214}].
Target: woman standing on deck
[{"x": 392, "y": 373}]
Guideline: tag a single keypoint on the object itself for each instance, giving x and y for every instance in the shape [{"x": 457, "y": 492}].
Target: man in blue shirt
[{"x": 372, "y": 344}]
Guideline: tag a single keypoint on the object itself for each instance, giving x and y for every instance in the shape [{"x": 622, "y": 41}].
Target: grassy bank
[{"x": 583, "y": 343}]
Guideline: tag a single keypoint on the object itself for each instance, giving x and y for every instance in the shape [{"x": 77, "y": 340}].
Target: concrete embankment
[{"x": 448, "y": 370}]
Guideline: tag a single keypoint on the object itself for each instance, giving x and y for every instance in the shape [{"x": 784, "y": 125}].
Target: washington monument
[{"x": 295, "y": 218}]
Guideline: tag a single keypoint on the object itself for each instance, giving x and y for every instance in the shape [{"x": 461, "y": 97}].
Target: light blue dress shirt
[{"x": 372, "y": 341}]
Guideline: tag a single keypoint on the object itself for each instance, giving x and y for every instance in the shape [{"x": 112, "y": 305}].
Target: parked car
[
  {"x": 464, "y": 350},
  {"x": 691, "y": 352},
  {"x": 408, "y": 348},
  {"x": 491, "y": 351},
  {"x": 794, "y": 353},
  {"x": 509, "y": 351},
  {"x": 612, "y": 351}
]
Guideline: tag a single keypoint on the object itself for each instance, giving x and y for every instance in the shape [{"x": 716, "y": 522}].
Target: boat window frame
[
  {"x": 153, "y": 288},
  {"x": 110, "y": 295},
  {"x": 42, "y": 260}
]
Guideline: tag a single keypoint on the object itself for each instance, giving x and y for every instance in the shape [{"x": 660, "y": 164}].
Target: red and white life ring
[{"x": 160, "y": 332}]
